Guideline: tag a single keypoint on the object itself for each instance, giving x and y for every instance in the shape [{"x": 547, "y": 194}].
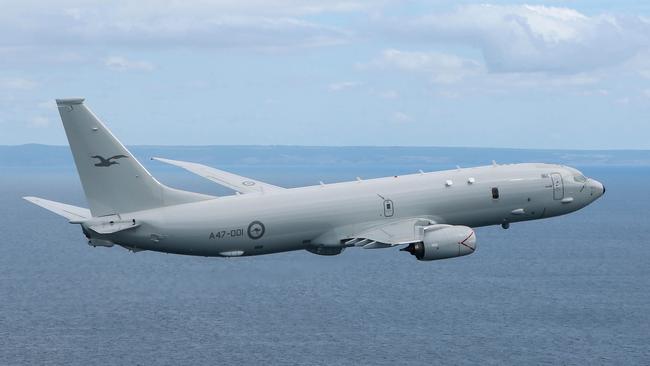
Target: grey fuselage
[{"x": 328, "y": 214}]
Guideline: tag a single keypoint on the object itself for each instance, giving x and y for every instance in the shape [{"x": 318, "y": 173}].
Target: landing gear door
[{"x": 558, "y": 186}]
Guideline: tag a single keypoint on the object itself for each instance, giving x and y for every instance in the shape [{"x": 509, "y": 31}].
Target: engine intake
[{"x": 443, "y": 241}]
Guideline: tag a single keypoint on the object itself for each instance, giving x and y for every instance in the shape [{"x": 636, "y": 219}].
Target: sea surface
[{"x": 572, "y": 290}]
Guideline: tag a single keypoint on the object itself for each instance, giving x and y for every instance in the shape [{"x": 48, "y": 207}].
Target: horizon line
[{"x": 361, "y": 146}]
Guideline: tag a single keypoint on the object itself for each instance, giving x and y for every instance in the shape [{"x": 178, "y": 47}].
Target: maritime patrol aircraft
[{"x": 430, "y": 215}]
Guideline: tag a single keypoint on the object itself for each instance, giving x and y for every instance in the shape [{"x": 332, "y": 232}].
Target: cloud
[
  {"x": 39, "y": 122},
  {"x": 524, "y": 38},
  {"x": 453, "y": 76},
  {"x": 440, "y": 67},
  {"x": 17, "y": 84},
  {"x": 401, "y": 118},
  {"x": 343, "y": 85},
  {"x": 119, "y": 63},
  {"x": 47, "y": 104},
  {"x": 169, "y": 23},
  {"x": 595, "y": 92},
  {"x": 388, "y": 94},
  {"x": 640, "y": 64}
]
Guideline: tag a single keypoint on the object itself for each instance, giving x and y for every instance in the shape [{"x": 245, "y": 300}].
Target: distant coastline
[{"x": 36, "y": 155}]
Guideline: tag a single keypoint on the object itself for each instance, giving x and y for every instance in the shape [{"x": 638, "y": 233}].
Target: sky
[{"x": 551, "y": 74}]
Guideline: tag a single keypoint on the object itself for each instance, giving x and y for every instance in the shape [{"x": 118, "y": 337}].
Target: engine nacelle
[{"x": 443, "y": 241}]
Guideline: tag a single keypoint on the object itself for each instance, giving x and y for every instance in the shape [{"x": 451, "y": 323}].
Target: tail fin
[{"x": 112, "y": 179}]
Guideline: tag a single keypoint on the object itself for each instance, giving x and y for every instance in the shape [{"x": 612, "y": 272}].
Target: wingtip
[{"x": 32, "y": 199}]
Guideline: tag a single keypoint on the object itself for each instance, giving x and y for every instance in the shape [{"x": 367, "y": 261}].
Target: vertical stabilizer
[{"x": 113, "y": 180}]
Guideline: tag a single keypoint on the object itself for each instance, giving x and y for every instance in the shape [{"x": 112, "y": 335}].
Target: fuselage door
[{"x": 558, "y": 186}]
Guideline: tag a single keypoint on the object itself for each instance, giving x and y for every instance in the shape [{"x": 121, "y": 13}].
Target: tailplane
[
  {"x": 113, "y": 180},
  {"x": 72, "y": 213}
]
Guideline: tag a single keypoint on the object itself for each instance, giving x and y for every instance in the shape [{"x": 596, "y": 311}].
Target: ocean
[{"x": 570, "y": 290}]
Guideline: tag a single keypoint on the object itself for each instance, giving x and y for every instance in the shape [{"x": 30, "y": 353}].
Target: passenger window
[{"x": 495, "y": 193}]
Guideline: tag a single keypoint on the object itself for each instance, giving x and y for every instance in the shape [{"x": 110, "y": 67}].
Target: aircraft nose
[{"x": 598, "y": 188}]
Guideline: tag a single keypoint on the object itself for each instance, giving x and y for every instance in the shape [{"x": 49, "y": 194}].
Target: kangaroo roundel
[{"x": 256, "y": 230}]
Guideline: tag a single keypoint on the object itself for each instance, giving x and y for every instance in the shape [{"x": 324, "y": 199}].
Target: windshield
[
  {"x": 579, "y": 178},
  {"x": 577, "y": 175}
]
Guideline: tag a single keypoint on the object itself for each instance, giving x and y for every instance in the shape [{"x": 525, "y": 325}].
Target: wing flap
[
  {"x": 226, "y": 179},
  {"x": 390, "y": 234},
  {"x": 72, "y": 213}
]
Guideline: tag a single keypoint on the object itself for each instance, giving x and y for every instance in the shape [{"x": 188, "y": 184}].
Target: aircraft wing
[
  {"x": 230, "y": 180},
  {"x": 72, "y": 213},
  {"x": 390, "y": 234}
]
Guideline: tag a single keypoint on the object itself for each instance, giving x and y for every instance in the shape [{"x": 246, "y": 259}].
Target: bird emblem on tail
[{"x": 107, "y": 161}]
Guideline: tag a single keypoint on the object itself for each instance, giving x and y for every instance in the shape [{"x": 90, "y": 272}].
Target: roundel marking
[
  {"x": 248, "y": 183},
  {"x": 255, "y": 230}
]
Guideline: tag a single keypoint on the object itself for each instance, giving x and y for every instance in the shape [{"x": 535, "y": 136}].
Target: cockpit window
[
  {"x": 577, "y": 175},
  {"x": 579, "y": 178}
]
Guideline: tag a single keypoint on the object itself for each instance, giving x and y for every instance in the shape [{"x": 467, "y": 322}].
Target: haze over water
[{"x": 567, "y": 290}]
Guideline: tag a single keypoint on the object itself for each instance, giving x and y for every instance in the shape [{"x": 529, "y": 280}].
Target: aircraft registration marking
[{"x": 224, "y": 234}]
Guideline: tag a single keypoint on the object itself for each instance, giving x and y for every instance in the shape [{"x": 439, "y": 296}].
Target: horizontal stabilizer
[
  {"x": 111, "y": 224},
  {"x": 230, "y": 180},
  {"x": 72, "y": 213}
]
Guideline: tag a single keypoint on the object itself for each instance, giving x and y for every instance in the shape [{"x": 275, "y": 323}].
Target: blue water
[{"x": 567, "y": 290}]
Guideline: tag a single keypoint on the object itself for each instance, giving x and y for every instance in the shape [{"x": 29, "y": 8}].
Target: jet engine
[{"x": 443, "y": 241}]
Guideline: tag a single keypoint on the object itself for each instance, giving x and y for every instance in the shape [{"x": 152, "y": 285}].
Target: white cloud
[
  {"x": 388, "y": 94},
  {"x": 401, "y": 118},
  {"x": 595, "y": 92},
  {"x": 623, "y": 101},
  {"x": 47, "y": 104},
  {"x": 453, "y": 76},
  {"x": 39, "y": 122},
  {"x": 119, "y": 63},
  {"x": 448, "y": 94},
  {"x": 343, "y": 85},
  {"x": 524, "y": 38},
  {"x": 440, "y": 67},
  {"x": 74, "y": 13},
  {"x": 170, "y": 23},
  {"x": 17, "y": 84},
  {"x": 640, "y": 64}
]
